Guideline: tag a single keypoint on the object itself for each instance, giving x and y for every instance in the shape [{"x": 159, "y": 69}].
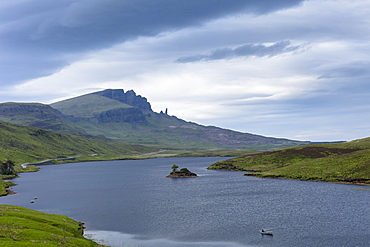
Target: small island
[{"x": 182, "y": 173}]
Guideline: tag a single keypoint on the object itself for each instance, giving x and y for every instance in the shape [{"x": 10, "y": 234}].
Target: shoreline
[
  {"x": 309, "y": 180},
  {"x": 297, "y": 179},
  {"x": 49, "y": 162}
]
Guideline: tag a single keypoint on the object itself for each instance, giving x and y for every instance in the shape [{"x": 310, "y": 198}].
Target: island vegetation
[
  {"x": 347, "y": 162},
  {"x": 182, "y": 173}
]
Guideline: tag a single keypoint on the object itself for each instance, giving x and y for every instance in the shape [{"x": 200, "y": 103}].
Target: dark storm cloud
[
  {"x": 38, "y": 37},
  {"x": 243, "y": 51}
]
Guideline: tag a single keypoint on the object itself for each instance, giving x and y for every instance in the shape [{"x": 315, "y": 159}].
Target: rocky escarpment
[
  {"x": 125, "y": 115},
  {"x": 129, "y": 98},
  {"x": 183, "y": 173}
]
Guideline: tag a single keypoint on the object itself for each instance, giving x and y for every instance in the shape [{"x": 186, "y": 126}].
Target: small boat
[{"x": 263, "y": 232}]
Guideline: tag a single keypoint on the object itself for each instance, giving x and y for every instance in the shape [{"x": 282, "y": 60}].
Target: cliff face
[
  {"x": 127, "y": 115},
  {"x": 129, "y": 98}
]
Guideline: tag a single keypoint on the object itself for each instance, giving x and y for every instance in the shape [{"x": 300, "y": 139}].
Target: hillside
[
  {"x": 128, "y": 118},
  {"x": 38, "y": 115},
  {"x": 27, "y": 144},
  {"x": 336, "y": 162},
  {"x": 25, "y": 227},
  {"x": 113, "y": 115}
]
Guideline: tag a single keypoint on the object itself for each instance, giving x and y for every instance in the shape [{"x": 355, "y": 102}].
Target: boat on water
[{"x": 263, "y": 232}]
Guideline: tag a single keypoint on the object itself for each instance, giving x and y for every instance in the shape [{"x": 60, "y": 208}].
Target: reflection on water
[{"x": 117, "y": 239}]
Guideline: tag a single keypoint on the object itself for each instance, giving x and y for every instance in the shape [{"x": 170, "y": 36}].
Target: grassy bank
[
  {"x": 24, "y": 227},
  {"x": 27, "y": 145},
  {"x": 4, "y": 185},
  {"x": 337, "y": 162}
]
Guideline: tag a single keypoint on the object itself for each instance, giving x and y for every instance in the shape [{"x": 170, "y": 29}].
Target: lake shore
[
  {"x": 312, "y": 180},
  {"x": 23, "y": 227}
]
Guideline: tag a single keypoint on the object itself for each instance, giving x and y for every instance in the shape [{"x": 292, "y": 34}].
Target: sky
[{"x": 289, "y": 68}]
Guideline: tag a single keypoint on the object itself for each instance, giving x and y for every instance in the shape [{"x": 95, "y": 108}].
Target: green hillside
[
  {"x": 116, "y": 116},
  {"x": 127, "y": 118},
  {"x": 27, "y": 144},
  {"x": 339, "y": 162},
  {"x": 38, "y": 115},
  {"x": 25, "y": 227},
  {"x": 88, "y": 105}
]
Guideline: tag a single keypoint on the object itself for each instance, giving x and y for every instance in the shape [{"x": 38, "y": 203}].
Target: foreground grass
[
  {"x": 24, "y": 227},
  {"x": 337, "y": 162},
  {"x": 4, "y": 185}
]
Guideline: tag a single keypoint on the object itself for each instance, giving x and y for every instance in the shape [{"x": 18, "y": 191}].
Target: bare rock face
[
  {"x": 183, "y": 173},
  {"x": 129, "y": 98},
  {"x": 127, "y": 115}
]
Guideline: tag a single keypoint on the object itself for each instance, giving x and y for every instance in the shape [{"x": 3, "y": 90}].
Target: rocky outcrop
[
  {"x": 129, "y": 98},
  {"x": 119, "y": 115},
  {"x": 183, "y": 173}
]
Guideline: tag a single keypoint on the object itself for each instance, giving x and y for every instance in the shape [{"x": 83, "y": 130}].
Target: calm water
[{"x": 132, "y": 203}]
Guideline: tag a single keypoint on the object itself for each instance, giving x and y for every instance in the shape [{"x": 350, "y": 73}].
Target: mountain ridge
[{"x": 125, "y": 117}]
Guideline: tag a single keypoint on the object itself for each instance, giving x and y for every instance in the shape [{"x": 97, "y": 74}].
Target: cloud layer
[
  {"x": 258, "y": 50},
  {"x": 294, "y": 69},
  {"x": 41, "y": 36}
]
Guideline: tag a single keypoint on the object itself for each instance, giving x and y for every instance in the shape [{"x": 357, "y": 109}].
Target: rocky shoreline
[{"x": 182, "y": 173}]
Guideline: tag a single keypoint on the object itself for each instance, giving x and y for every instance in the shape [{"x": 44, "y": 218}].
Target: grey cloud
[
  {"x": 352, "y": 70},
  {"x": 52, "y": 29},
  {"x": 257, "y": 50}
]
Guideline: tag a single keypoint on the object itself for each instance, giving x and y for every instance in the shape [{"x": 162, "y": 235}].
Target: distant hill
[
  {"x": 28, "y": 144},
  {"x": 335, "y": 162},
  {"x": 38, "y": 115},
  {"x": 124, "y": 117}
]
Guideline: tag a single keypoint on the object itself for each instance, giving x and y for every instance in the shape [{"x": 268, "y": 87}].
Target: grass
[
  {"x": 37, "y": 115},
  {"x": 27, "y": 145},
  {"x": 25, "y": 227},
  {"x": 86, "y": 106},
  {"x": 336, "y": 162},
  {"x": 4, "y": 185}
]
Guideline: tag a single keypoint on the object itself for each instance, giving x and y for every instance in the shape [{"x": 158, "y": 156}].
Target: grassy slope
[
  {"x": 37, "y": 115},
  {"x": 86, "y": 106},
  {"x": 340, "y": 162},
  {"x": 26, "y": 144},
  {"x": 24, "y": 227},
  {"x": 161, "y": 131}
]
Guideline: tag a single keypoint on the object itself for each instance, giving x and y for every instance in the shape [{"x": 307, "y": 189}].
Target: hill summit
[
  {"x": 129, "y": 98},
  {"x": 125, "y": 117}
]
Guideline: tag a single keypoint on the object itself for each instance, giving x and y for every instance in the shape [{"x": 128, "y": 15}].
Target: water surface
[{"x": 132, "y": 203}]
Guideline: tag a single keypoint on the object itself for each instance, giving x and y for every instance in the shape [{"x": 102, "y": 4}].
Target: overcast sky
[{"x": 289, "y": 68}]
